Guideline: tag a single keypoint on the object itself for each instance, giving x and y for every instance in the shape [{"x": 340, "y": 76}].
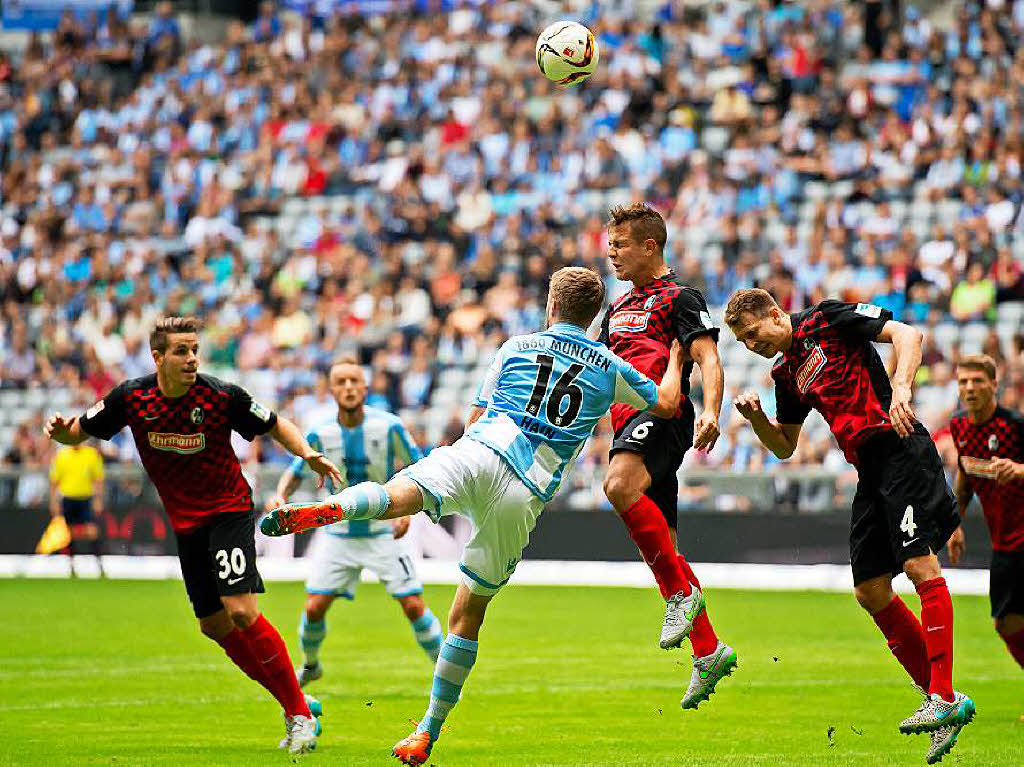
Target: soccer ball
[{"x": 567, "y": 53}]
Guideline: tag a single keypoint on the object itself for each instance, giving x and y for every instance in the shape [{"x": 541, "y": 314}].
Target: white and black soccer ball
[{"x": 567, "y": 53}]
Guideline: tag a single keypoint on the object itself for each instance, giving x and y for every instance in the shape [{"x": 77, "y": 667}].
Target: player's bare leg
[
  {"x": 312, "y": 630},
  {"x": 400, "y": 497},
  {"x": 625, "y": 486},
  {"x": 458, "y": 654}
]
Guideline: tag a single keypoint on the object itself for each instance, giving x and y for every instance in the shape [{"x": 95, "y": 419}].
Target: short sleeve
[
  {"x": 403, "y": 447},
  {"x": 789, "y": 408},
  {"x": 247, "y": 416},
  {"x": 97, "y": 466},
  {"x": 691, "y": 317},
  {"x": 860, "y": 321},
  {"x": 107, "y": 417},
  {"x": 490, "y": 382},
  {"x": 632, "y": 387}
]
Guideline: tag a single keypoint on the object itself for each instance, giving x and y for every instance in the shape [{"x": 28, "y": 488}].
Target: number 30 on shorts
[{"x": 234, "y": 562}]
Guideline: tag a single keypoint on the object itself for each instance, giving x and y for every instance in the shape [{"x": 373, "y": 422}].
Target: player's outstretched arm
[
  {"x": 906, "y": 342},
  {"x": 287, "y": 484},
  {"x": 704, "y": 351},
  {"x": 780, "y": 438},
  {"x": 67, "y": 431},
  {"x": 290, "y": 438},
  {"x": 670, "y": 388}
]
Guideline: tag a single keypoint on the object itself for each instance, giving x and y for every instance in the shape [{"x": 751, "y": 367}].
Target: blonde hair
[
  {"x": 754, "y": 301},
  {"x": 579, "y": 294},
  {"x": 167, "y": 325}
]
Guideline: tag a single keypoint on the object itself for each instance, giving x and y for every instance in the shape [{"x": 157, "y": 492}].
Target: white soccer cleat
[
  {"x": 316, "y": 708},
  {"x": 680, "y": 613},
  {"x": 302, "y": 735}
]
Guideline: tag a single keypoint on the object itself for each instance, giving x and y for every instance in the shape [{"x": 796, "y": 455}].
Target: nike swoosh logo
[
  {"x": 233, "y": 581},
  {"x": 909, "y": 542},
  {"x": 962, "y": 443},
  {"x": 936, "y": 628},
  {"x": 150, "y": 417}
]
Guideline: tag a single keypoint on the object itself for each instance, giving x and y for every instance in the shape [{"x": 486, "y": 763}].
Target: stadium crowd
[{"x": 400, "y": 185}]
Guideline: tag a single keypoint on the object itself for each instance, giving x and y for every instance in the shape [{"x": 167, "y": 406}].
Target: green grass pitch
[{"x": 115, "y": 673}]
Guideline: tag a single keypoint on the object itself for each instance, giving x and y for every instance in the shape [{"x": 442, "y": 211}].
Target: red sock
[
  {"x": 1015, "y": 644},
  {"x": 906, "y": 639},
  {"x": 649, "y": 531},
  {"x": 269, "y": 649},
  {"x": 702, "y": 637},
  {"x": 937, "y": 620},
  {"x": 236, "y": 646}
]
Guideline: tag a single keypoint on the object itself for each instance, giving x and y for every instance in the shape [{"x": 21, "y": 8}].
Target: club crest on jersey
[
  {"x": 649, "y": 303},
  {"x": 183, "y": 444},
  {"x": 196, "y": 415},
  {"x": 628, "y": 322},
  {"x": 811, "y": 369},
  {"x": 993, "y": 443}
]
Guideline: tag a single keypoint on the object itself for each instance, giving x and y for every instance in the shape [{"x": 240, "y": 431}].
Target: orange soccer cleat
[
  {"x": 296, "y": 517},
  {"x": 414, "y": 749}
]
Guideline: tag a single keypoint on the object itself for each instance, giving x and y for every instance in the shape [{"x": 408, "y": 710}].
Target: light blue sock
[
  {"x": 367, "y": 500},
  {"x": 453, "y": 666},
  {"x": 311, "y": 635},
  {"x": 428, "y": 633}
]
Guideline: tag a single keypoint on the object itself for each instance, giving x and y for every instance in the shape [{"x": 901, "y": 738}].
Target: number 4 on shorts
[{"x": 907, "y": 525}]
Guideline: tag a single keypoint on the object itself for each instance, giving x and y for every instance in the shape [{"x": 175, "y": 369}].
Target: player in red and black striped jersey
[
  {"x": 903, "y": 512},
  {"x": 182, "y": 422},
  {"x": 989, "y": 441},
  {"x": 647, "y": 452}
]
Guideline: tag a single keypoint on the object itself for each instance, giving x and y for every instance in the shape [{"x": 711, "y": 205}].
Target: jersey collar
[{"x": 568, "y": 327}]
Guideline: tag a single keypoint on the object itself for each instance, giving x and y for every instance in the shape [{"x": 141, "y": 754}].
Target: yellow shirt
[{"x": 75, "y": 469}]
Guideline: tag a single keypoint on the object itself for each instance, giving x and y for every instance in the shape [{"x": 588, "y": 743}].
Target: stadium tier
[{"x": 399, "y": 184}]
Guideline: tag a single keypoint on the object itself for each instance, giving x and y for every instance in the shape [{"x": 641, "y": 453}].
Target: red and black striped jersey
[
  {"x": 640, "y": 326},
  {"x": 185, "y": 443},
  {"x": 832, "y": 367},
  {"x": 1001, "y": 436}
]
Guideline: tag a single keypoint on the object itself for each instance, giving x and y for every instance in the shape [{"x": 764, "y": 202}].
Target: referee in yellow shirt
[{"x": 76, "y": 491}]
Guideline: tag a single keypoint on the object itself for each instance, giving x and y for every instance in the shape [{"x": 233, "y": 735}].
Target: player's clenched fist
[{"x": 749, "y": 404}]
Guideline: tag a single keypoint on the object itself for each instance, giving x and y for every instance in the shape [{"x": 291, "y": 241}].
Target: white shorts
[
  {"x": 469, "y": 478},
  {"x": 337, "y": 561}
]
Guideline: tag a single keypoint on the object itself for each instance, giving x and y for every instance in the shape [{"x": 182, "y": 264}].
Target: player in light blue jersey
[
  {"x": 540, "y": 401},
  {"x": 368, "y": 445}
]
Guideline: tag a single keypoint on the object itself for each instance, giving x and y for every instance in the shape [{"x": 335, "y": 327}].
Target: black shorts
[
  {"x": 662, "y": 442},
  {"x": 903, "y": 507},
  {"x": 219, "y": 559},
  {"x": 1006, "y": 583},
  {"x": 77, "y": 511}
]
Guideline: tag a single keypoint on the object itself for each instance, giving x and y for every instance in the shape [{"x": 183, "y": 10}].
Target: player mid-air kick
[
  {"x": 541, "y": 399},
  {"x": 903, "y": 512}
]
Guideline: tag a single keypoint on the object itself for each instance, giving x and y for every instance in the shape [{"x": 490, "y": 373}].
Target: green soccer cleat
[
  {"x": 707, "y": 672},
  {"x": 680, "y": 613},
  {"x": 936, "y": 713}
]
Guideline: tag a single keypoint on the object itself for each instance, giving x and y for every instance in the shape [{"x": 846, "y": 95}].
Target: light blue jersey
[
  {"x": 544, "y": 394},
  {"x": 368, "y": 452}
]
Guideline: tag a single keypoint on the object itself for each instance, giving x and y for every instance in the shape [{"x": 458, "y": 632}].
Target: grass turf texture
[{"x": 115, "y": 673}]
